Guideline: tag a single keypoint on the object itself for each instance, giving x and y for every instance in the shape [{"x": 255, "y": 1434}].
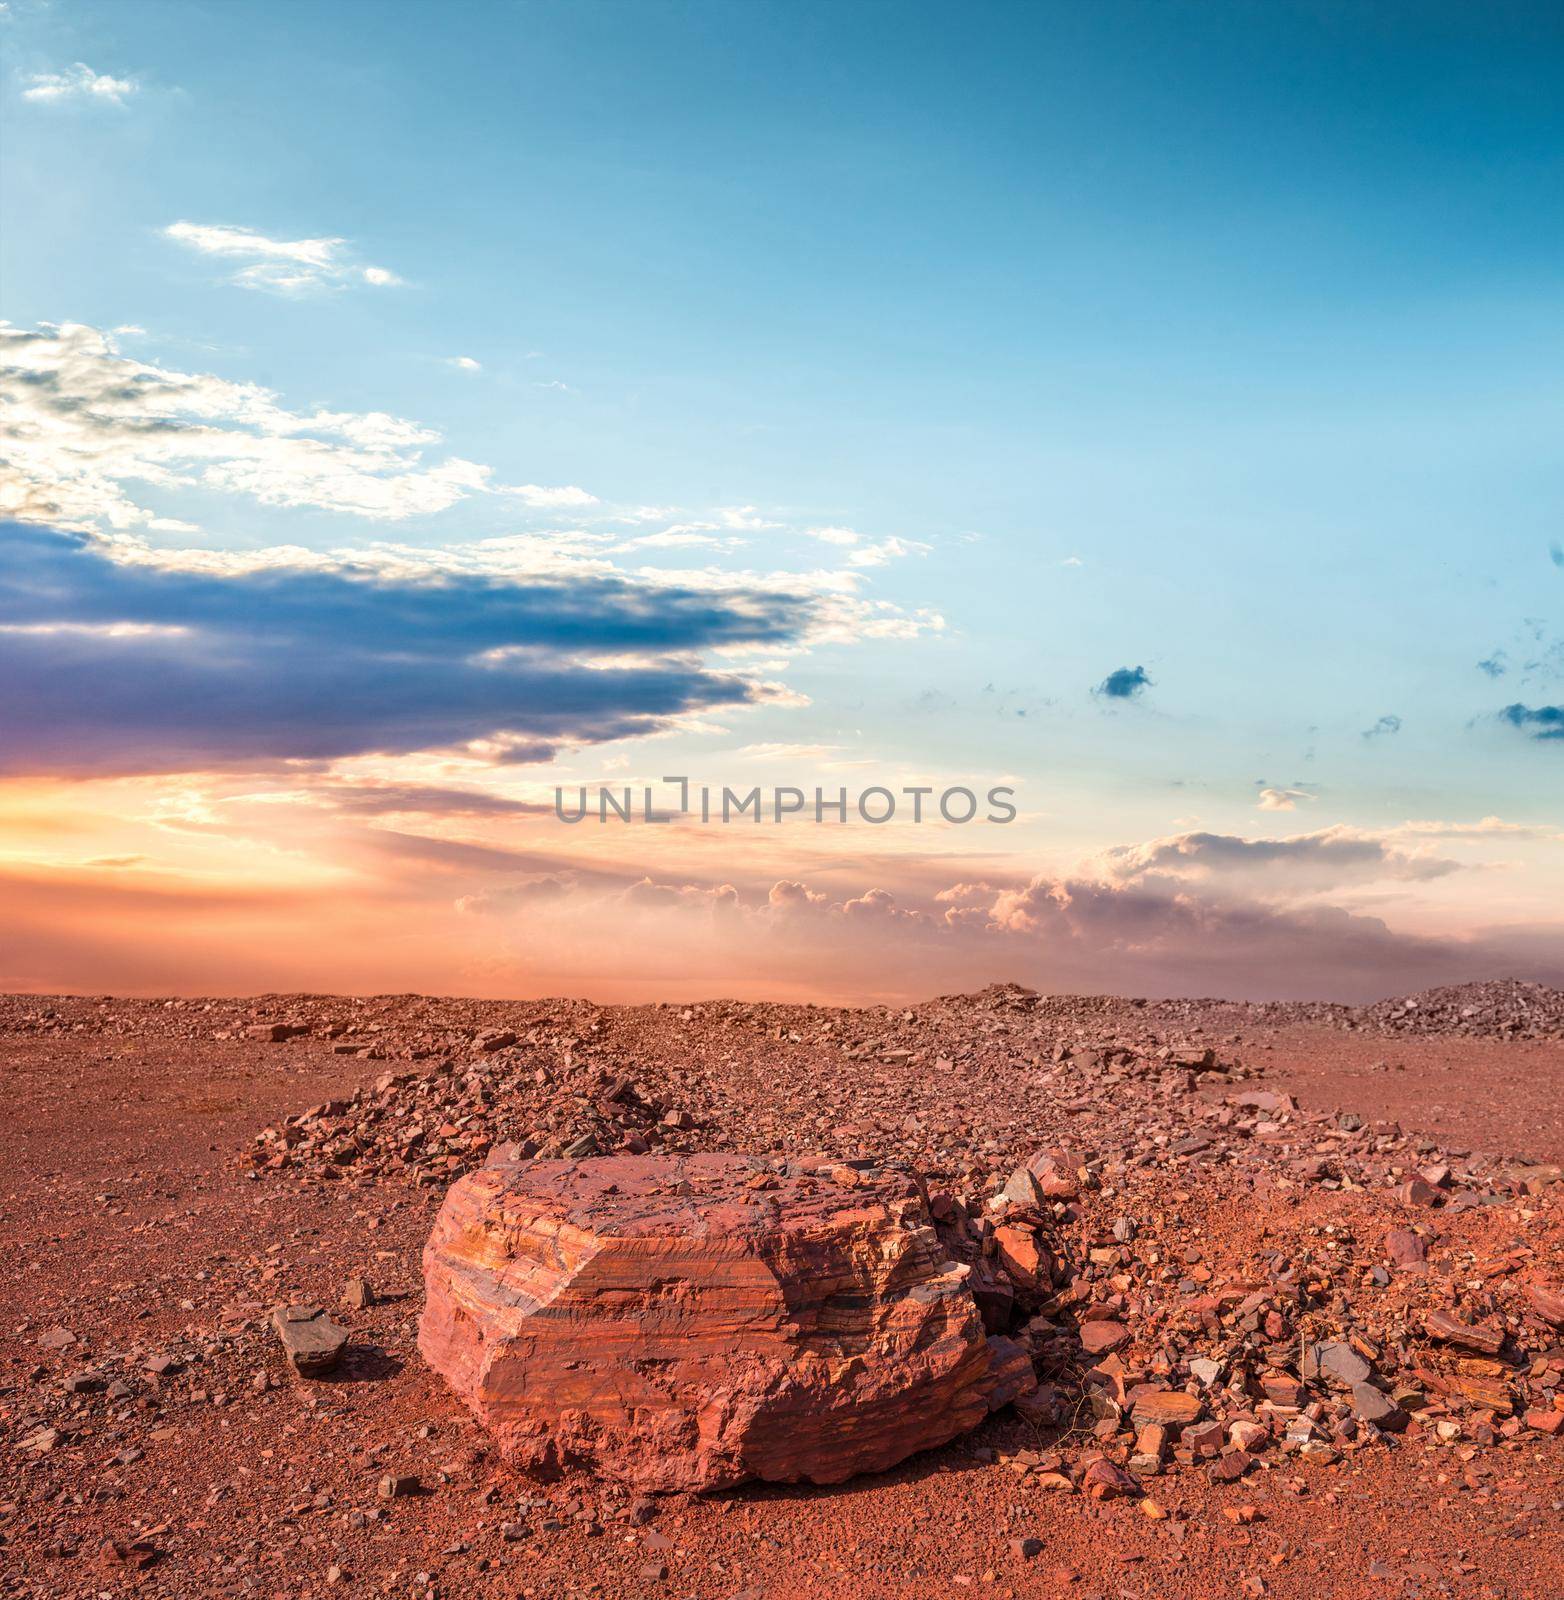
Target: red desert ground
[{"x": 1001, "y": 1294}]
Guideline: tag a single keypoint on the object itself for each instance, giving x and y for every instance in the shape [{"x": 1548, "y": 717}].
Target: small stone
[
  {"x": 1027, "y": 1549},
  {"x": 395, "y": 1485},
  {"x": 1445, "y": 1326},
  {"x": 1405, "y": 1249},
  {"x": 1547, "y": 1300},
  {"x": 1102, "y": 1480},
  {"x": 1374, "y": 1405},
  {"x": 1337, "y": 1362},
  {"x": 357, "y": 1294},
  {"x": 1230, "y": 1466},
  {"x": 1098, "y": 1338},
  {"x": 1170, "y": 1406},
  {"x": 313, "y": 1342}
]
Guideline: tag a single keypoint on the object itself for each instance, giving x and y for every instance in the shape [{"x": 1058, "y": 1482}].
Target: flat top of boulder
[{"x": 693, "y": 1195}]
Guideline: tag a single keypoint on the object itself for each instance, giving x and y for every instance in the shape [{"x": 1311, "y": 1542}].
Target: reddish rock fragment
[
  {"x": 1097, "y": 1338},
  {"x": 658, "y": 1319},
  {"x": 1172, "y": 1407},
  {"x": 1547, "y": 1300},
  {"x": 1102, "y": 1480},
  {"x": 1450, "y": 1329},
  {"x": 1406, "y": 1249}
]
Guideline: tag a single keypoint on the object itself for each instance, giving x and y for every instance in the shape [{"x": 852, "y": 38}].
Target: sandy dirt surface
[{"x": 155, "y": 1442}]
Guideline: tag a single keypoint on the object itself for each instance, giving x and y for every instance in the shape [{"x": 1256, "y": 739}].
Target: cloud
[
  {"x": 1124, "y": 683},
  {"x": 876, "y": 555},
  {"x": 1331, "y": 857},
  {"x": 283, "y": 266},
  {"x": 1281, "y": 799},
  {"x": 566, "y": 497},
  {"x": 840, "y": 536},
  {"x": 1556, "y": 553},
  {"x": 1059, "y": 933},
  {"x": 1495, "y": 665},
  {"x": 535, "y": 890},
  {"x": 1543, "y": 722},
  {"x": 118, "y": 660},
  {"x": 1383, "y": 728},
  {"x": 79, "y": 422},
  {"x": 79, "y": 82},
  {"x": 464, "y": 364}
]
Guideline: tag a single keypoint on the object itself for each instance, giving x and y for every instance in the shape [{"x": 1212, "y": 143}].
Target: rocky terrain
[{"x": 1286, "y": 1279}]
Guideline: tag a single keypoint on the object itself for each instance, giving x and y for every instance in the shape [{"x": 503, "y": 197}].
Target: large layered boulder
[{"x": 687, "y": 1322}]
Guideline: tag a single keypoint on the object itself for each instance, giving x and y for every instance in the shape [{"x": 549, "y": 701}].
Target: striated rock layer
[{"x": 686, "y": 1322}]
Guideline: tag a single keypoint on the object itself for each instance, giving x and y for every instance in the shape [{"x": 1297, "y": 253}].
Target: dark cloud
[
  {"x": 1542, "y": 722},
  {"x": 115, "y": 666},
  {"x": 1556, "y": 550},
  {"x": 1383, "y": 728},
  {"x": 391, "y": 799},
  {"x": 1124, "y": 683},
  {"x": 1495, "y": 665}
]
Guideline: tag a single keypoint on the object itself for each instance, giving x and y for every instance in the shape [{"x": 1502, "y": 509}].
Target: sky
[{"x": 409, "y": 411}]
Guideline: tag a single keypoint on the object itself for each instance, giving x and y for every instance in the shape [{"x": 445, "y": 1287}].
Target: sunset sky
[{"x": 1153, "y": 408}]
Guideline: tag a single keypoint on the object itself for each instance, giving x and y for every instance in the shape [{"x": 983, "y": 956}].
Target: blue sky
[{"x": 1218, "y": 340}]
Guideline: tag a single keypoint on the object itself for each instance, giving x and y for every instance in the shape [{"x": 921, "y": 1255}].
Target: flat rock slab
[
  {"x": 686, "y": 1322},
  {"x": 313, "y": 1342}
]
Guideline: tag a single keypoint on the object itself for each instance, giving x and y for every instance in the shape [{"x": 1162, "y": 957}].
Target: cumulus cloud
[
  {"x": 80, "y": 422},
  {"x": 1541, "y": 722},
  {"x": 464, "y": 364},
  {"x": 78, "y": 83},
  {"x": 118, "y": 659},
  {"x": 1060, "y": 934},
  {"x": 1124, "y": 683},
  {"x": 283, "y": 266},
  {"x": 1329, "y": 858}
]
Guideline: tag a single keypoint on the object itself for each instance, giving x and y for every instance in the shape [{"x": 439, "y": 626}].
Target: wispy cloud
[
  {"x": 1383, "y": 728},
  {"x": 283, "y": 266},
  {"x": 464, "y": 364},
  {"x": 79, "y": 83},
  {"x": 80, "y": 423},
  {"x": 892, "y": 549}
]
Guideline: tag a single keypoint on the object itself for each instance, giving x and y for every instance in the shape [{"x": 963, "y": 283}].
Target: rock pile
[{"x": 687, "y": 1322}]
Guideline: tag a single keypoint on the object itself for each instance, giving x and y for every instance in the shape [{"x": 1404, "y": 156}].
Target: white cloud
[
  {"x": 562, "y": 498},
  {"x": 842, "y": 536},
  {"x": 78, "y": 82},
  {"x": 1281, "y": 799},
  {"x": 876, "y": 555},
  {"x": 1072, "y": 561},
  {"x": 80, "y": 422},
  {"x": 464, "y": 364},
  {"x": 283, "y": 266}
]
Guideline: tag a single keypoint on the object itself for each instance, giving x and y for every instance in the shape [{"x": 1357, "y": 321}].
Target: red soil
[{"x": 132, "y": 1219}]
